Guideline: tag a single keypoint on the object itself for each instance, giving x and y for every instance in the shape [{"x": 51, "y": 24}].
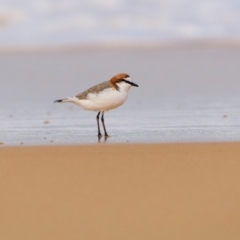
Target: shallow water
[
  {"x": 70, "y": 125},
  {"x": 186, "y": 95}
]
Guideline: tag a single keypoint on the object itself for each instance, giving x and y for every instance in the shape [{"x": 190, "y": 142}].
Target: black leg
[
  {"x": 106, "y": 135},
  {"x": 99, "y": 132}
]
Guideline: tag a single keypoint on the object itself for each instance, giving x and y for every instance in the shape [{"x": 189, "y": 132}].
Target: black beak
[{"x": 133, "y": 84}]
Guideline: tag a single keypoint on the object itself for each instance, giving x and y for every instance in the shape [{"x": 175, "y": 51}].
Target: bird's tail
[{"x": 63, "y": 100}]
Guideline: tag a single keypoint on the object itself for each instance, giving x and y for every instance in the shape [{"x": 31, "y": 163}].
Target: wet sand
[{"x": 158, "y": 191}]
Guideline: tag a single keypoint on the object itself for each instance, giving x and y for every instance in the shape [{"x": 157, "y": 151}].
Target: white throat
[{"x": 123, "y": 86}]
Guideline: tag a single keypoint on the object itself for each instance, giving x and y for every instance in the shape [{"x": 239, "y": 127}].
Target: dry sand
[{"x": 162, "y": 191}]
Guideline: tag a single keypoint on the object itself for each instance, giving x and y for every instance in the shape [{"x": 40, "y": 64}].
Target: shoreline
[{"x": 97, "y": 146}]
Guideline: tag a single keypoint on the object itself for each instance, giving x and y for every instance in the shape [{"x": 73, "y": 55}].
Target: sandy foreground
[{"x": 162, "y": 191}]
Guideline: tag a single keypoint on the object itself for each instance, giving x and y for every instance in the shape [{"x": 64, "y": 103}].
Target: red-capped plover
[{"x": 103, "y": 97}]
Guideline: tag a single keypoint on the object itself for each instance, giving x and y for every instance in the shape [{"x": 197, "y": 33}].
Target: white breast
[{"x": 106, "y": 100}]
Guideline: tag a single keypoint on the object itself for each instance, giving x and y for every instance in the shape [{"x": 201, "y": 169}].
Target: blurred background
[
  {"x": 184, "y": 55},
  {"x": 35, "y": 22}
]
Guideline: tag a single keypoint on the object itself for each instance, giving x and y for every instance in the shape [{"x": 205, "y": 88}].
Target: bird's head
[{"x": 122, "y": 81}]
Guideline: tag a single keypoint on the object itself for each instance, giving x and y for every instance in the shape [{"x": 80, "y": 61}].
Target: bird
[{"x": 103, "y": 97}]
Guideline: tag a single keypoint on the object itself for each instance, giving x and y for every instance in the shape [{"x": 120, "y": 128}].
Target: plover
[{"x": 103, "y": 97}]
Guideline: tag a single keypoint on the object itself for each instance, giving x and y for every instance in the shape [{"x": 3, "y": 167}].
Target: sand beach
[{"x": 151, "y": 191}]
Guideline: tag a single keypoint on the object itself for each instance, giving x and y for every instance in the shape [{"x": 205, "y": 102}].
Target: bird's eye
[{"x": 124, "y": 80}]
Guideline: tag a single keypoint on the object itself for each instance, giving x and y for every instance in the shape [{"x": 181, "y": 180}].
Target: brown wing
[{"x": 95, "y": 89}]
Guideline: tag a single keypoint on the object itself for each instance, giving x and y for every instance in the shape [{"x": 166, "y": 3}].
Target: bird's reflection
[{"x": 105, "y": 139}]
